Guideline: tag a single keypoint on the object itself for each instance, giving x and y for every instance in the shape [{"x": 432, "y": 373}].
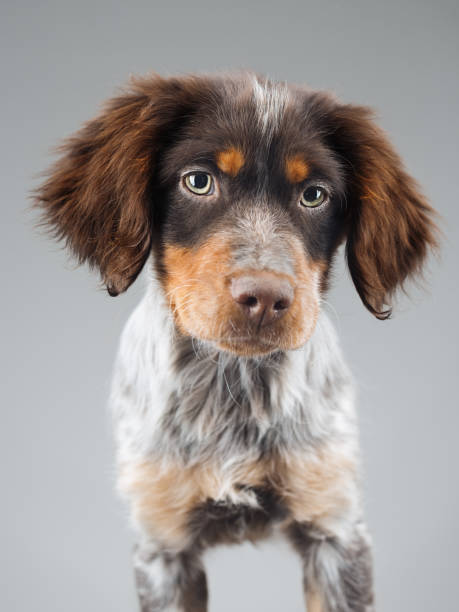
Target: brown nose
[{"x": 263, "y": 296}]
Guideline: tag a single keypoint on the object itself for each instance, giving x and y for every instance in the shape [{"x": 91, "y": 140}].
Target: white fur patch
[
  {"x": 144, "y": 380},
  {"x": 161, "y": 578},
  {"x": 311, "y": 403},
  {"x": 271, "y": 100}
]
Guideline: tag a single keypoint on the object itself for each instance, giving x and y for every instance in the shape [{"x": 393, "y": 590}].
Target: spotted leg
[
  {"x": 169, "y": 582},
  {"x": 337, "y": 575}
]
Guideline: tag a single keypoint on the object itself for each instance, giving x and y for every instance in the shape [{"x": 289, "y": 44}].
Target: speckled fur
[
  {"x": 217, "y": 448},
  {"x": 227, "y": 430}
]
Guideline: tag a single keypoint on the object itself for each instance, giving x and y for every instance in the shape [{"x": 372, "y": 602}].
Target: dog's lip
[
  {"x": 245, "y": 343},
  {"x": 248, "y": 345},
  {"x": 246, "y": 339}
]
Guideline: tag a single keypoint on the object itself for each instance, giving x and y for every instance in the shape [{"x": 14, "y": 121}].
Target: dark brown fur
[
  {"x": 98, "y": 196},
  {"x": 390, "y": 221}
]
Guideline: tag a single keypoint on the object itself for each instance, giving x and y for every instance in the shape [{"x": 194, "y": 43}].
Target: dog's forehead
[
  {"x": 250, "y": 123},
  {"x": 271, "y": 100},
  {"x": 254, "y": 110}
]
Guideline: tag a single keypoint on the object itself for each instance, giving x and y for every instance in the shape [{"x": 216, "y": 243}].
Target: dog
[{"x": 233, "y": 407}]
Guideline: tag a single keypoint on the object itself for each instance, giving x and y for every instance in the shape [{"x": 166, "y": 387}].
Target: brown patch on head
[
  {"x": 391, "y": 225},
  {"x": 304, "y": 311},
  {"x": 197, "y": 283},
  {"x": 96, "y": 196},
  {"x": 296, "y": 169},
  {"x": 230, "y": 161}
]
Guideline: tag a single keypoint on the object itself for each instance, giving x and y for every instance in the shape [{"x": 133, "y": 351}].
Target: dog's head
[{"x": 243, "y": 189}]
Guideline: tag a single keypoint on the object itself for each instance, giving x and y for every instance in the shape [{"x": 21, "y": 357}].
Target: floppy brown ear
[
  {"x": 391, "y": 224},
  {"x": 96, "y": 197}
]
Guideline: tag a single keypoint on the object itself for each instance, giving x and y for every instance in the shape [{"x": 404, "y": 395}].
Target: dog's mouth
[
  {"x": 248, "y": 310},
  {"x": 250, "y": 346},
  {"x": 244, "y": 311},
  {"x": 240, "y": 329},
  {"x": 253, "y": 343}
]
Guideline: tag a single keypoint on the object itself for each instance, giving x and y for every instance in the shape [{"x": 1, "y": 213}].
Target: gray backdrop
[{"x": 66, "y": 544}]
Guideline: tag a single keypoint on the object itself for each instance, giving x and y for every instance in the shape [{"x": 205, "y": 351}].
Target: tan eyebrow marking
[
  {"x": 296, "y": 169},
  {"x": 230, "y": 161}
]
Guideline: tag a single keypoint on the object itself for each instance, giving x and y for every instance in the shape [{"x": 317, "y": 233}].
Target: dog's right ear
[
  {"x": 96, "y": 197},
  {"x": 391, "y": 225}
]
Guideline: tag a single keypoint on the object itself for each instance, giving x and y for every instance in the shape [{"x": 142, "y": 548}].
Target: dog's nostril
[
  {"x": 250, "y": 301},
  {"x": 281, "y": 305},
  {"x": 264, "y": 297}
]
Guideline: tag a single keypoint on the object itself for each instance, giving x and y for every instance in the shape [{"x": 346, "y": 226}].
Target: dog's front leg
[
  {"x": 337, "y": 573},
  {"x": 169, "y": 581}
]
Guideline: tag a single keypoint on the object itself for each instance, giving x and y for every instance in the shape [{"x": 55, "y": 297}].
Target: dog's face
[
  {"x": 252, "y": 202},
  {"x": 243, "y": 189}
]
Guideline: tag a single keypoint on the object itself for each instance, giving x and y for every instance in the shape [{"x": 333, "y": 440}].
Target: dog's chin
[
  {"x": 252, "y": 343},
  {"x": 250, "y": 346}
]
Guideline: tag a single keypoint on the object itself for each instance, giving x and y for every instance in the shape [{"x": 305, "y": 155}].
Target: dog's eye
[
  {"x": 200, "y": 183},
  {"x": 313, "y": 196}
]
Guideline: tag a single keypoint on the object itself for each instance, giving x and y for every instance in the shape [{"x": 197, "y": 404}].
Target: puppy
[{"x": 232, "y": 405}]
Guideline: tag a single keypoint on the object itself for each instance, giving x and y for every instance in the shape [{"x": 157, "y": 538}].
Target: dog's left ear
[
  {"x": 96, "y": 197},
  {"x": 391, "y": 224}
]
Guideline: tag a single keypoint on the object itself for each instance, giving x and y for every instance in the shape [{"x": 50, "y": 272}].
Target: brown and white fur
[{"x": 233, "y": 408}]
